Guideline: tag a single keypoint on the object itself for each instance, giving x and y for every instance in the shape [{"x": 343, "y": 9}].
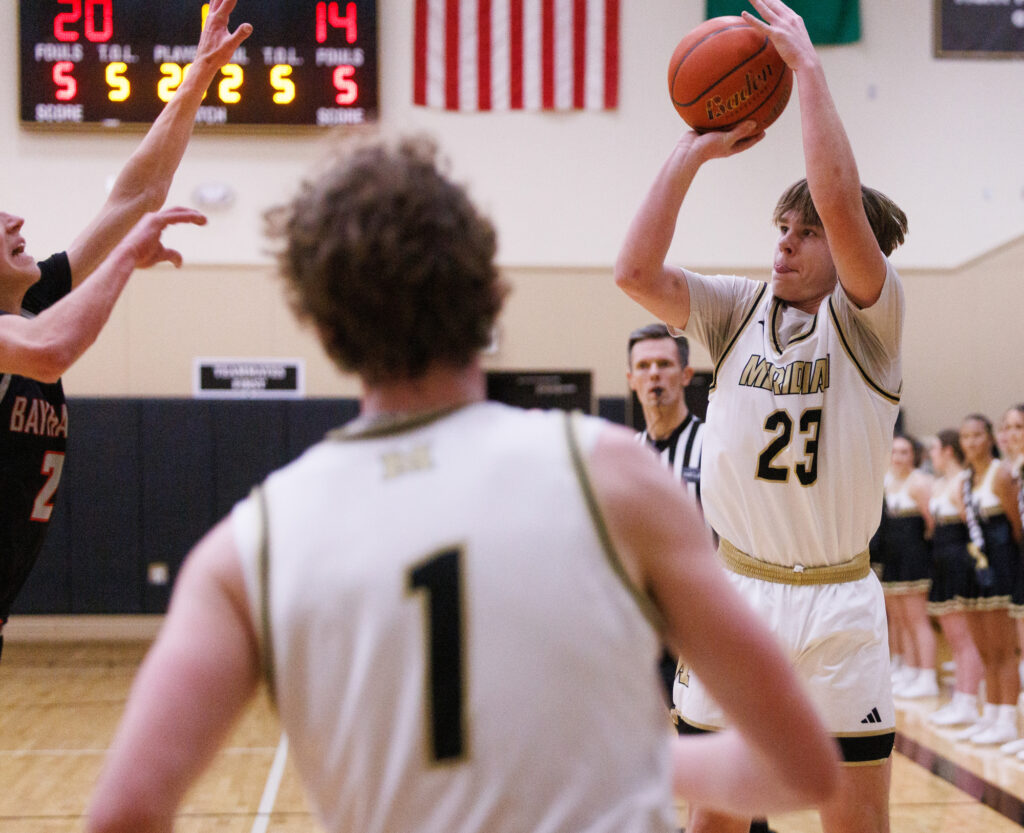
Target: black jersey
[{"x": 33, "y": 437}]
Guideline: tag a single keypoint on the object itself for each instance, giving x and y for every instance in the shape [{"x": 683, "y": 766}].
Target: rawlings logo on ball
[{"x": 755, "y": 85}]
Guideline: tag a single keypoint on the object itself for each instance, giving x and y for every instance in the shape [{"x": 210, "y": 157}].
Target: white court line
[
  {"x": 19, "y": 753},
  {"x": 271, "y": 788}
]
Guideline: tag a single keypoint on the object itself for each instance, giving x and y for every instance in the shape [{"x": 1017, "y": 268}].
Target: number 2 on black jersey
[
  {"x": 440, "y": 578},
  {"x": 53, "y": 465}
]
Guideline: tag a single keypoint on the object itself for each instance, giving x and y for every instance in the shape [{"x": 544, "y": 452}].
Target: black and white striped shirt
[{"x": 680, "y": 451}]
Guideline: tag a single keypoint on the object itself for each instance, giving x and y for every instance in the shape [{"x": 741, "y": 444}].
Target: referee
[{"x": 659, "y": 372}]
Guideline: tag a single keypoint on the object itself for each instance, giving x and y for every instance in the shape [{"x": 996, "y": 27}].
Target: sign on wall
[
  {"x": 249, "y": 378},
  {"x": 569, "y": 390},
  {"x": 979, "y": 28}
]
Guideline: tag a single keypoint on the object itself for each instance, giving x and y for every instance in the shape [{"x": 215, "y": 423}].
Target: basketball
[{"x": 725, "y": 72}]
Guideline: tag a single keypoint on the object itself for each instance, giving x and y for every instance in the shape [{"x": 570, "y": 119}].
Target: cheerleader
[
  {"x": 906, "y": 574},
  {"x": 953, "y": 579},
  {"x": 1013, "y": 440},
  {"x": 994, "y": 527}
]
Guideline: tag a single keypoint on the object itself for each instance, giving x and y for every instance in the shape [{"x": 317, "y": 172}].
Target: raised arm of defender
[
  {"x": 44, "y": 347},
  {"x": 146, "y": 178}
]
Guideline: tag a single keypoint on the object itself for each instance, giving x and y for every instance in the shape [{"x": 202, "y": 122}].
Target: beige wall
[
  {"x": 962, "y": 345},
  {"x": 942, "y": 137},
  {"x": 964, "y": 340}
]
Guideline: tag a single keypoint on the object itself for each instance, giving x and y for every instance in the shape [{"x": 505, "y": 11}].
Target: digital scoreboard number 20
[{"x": 117, "y": 62}]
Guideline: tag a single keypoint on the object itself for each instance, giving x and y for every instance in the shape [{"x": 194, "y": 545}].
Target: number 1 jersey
[{"x": 454, "y": 646}]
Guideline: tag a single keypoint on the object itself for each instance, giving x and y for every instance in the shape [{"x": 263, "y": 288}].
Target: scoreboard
[{"x": 113, "y": 63}]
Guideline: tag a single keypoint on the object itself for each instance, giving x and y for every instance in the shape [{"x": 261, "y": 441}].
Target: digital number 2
[
  {"x": 440, "y": 579},
  {"x": 53, "y": 465}
]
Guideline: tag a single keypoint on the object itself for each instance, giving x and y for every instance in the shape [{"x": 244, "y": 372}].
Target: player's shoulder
[
  {"x": 723, "y": 289},
  {"x": 890, "y": 297},
  {"x": 624, "y": 467},
  {"x": 53, "y": 284},
  {"x": 615, "y": 436}
]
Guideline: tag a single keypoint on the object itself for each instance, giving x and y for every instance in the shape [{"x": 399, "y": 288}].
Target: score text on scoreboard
[{"x": 117, "y": 62}]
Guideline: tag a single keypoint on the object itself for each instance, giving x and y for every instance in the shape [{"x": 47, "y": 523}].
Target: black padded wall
[{"x": 145, "y": 479}]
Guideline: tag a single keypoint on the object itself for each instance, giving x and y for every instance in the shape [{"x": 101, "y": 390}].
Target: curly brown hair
[
  {"x": 887, "y": 219},
  {"x": 391, "y": 261}
]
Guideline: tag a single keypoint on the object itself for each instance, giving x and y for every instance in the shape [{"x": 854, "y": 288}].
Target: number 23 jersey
[
  {"x": 33, "y": 436},
  {"x": 800, "y": 417}
]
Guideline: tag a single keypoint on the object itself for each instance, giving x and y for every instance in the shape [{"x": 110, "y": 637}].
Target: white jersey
[
  {"x": 454, "y": 646},
  {"x": 800, "y": 417}
]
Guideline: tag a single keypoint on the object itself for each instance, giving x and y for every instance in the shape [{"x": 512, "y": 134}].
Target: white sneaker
[
  {"x": 997, "y": 733},
  {"x": 923, "y": 685},
  {"x": 1013, "y": 747},
  {"x": 954, "y": 714},
  {"x": 941, "y": 716},
  {"x": 906, "y": 675},
  {"x": 898, "y": 669},
  {"x": 903, "y": 675},
  {"x": 975, "y": 728}
]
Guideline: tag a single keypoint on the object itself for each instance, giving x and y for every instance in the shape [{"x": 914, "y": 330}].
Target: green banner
[{"x": 827, "y": 21}]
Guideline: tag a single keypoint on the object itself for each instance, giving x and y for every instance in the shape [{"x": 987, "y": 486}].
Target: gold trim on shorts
[
  {"x": 739, "y": 562},
  {"x": 905, "y": 588}
]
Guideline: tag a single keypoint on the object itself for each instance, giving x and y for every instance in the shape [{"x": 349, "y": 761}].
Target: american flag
[{"x": 516, "y": 54}]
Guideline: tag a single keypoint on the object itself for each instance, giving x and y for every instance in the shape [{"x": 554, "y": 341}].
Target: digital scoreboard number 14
[{"x": 117, "y": 62}]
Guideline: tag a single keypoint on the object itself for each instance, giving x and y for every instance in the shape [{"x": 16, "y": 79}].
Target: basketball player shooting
[{"x": 800, "y": 419}]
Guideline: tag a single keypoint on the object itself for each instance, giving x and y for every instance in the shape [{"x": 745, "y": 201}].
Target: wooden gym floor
[{"x": 62, "y": 701}]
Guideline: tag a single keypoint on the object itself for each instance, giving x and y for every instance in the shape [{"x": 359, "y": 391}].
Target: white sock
[
  {"x": 1007, "y": 715},
  {"x": 965, "y": 700},
  {"x": 989, "y": 712}
]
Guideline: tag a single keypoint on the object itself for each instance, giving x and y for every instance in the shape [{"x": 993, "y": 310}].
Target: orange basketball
[{"x": 725, "y": 72}]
